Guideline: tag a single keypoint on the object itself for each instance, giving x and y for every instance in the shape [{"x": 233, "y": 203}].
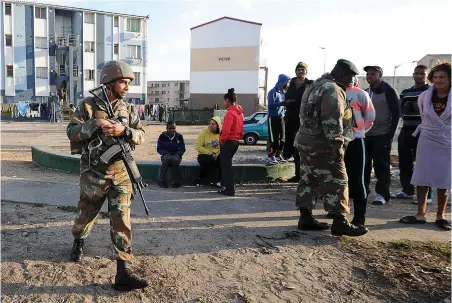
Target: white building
[
  {"x": 44, "y": 46},
  {"x": 169, "y": 93},
  {"x": 225, "y": 54}
]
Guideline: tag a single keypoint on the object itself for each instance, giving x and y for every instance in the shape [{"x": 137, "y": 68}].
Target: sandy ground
[
  {"x": 203, "y": 258},
  {"x": 54, "y": 136}
]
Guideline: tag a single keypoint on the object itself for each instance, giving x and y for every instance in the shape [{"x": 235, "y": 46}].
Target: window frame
[
  {"x": 40, "y": 9},
  {"x": 92, "y": 47},
  {"x": 85, "y": 20},
  {"x": 88, "y": 73},
  {"x": 42, "y": 75},
  {"x": 10, "y": 40},
  {"x": 8, "y": 5},
  {"x": 129, "y": 26},
  {"x": 10, "y": 73}
]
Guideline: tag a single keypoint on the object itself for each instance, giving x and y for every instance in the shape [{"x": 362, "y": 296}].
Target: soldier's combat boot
[
  {"x": 77, "y": 250},
  {"x": 342, "y": 227},
  {"x": 125, "y": 280},
  {"x": 308, "y": 222}
]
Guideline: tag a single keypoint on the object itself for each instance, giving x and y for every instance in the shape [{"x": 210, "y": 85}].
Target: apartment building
[
  {"x": 45, "y": 47},
  {"x": 169, "y": 93}
]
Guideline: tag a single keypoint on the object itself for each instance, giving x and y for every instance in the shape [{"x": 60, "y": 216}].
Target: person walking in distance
[
  {"x": 355, "y": 154},
  {"x": 407, "y": 144},
  {"x": 294, "y": 93},
  {"x": 276, "y": 105},
  {"x": 325, "y": 130},
  {"x": 231, "y": 133},
  {"x": 90, "y": 127},
  {"x": 379, "y": 137},
  {"x": 433, "y": 154}
]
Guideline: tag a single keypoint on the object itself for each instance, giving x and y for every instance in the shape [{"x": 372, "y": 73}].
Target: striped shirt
[
  {"x": 410, "y": 108},
  {"x": 363, "y": 111}
]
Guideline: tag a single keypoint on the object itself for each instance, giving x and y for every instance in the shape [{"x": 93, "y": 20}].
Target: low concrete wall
[{"x": 150, "y": 169}]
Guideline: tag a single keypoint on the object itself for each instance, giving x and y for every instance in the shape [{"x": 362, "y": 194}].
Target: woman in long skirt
[{"x": 433, "y": 154}]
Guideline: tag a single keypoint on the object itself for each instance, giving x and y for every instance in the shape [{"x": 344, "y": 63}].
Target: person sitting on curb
[
  {"x": 208, "y": 148},
  {"x": 276, "y": 105},
  {"x": 171, "y": 147}
]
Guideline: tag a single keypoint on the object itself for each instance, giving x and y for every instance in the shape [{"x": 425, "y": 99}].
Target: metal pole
[
  {"x": 324, "y": 60},
  {"x": 393, "y": 80}
]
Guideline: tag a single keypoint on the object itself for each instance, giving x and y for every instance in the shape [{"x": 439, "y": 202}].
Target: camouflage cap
[
  {"x": 114, "y": 70},
  {"x": 301, "y": 65},
  {"x": 349, "y": 65}
]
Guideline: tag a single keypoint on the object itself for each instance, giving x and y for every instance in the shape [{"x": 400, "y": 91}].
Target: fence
[{"x": 191, "y": 116}]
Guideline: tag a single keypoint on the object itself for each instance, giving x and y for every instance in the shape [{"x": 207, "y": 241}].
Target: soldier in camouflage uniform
[
  {"x": 325, "y": 129},
  {"x": 89, "y": 131}
]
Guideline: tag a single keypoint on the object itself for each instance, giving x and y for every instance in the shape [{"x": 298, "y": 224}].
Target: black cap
[
  {"x": 375, "y": 68},
  {"x": 349, "y": 65}
]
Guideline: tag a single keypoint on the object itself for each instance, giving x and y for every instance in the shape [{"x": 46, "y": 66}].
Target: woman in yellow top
[{"x": 208, "y": 148}]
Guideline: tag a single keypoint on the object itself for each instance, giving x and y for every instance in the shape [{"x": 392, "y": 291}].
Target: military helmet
[{"x": 114, "y": 70}]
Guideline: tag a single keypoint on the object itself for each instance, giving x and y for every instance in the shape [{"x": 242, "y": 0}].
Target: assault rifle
[{"x": 120, "y": 148}]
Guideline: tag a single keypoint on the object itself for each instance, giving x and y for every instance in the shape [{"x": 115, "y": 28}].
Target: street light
[
  {"x": 324, "y": 58},
  {"x": 395, "y": 68}
]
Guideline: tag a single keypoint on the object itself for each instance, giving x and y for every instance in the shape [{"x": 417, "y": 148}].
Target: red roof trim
[{"x": 240, "y": 20}]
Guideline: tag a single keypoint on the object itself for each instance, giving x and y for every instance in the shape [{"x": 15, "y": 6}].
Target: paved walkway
[{"x": 275, "y": 203}]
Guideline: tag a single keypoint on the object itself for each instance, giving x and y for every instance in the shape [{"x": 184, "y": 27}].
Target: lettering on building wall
[{"x": 224, "y": 59}]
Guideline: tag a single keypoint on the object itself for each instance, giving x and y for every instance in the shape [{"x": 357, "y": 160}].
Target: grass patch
[{"x": 401, "y": 244}]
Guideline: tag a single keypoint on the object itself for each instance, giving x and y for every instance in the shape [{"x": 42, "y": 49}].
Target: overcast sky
[{"x": 384, "y": 32}]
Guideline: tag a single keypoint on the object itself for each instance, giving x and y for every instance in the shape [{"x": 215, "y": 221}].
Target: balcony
[{"x": 66, "y": 40}]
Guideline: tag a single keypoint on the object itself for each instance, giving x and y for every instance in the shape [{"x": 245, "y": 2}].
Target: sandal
[
  {"x": 443, "y": 223},
  {"x": 411, "y": 220}
]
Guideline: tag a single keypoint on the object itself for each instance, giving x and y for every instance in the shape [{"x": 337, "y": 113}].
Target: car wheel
[{"x": 250, "y": 139}]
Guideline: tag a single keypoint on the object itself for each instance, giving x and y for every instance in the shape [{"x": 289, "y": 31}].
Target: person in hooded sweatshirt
[
  {"x": 231, "y": 133},
  {"x": 171, "y": 147},
  {"x": 276, "y": 105},
  {"x": 208, "y": 148}
]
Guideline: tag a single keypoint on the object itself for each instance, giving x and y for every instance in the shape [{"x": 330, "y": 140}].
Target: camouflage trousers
[
  {"x": 323, "y": 177},
  {"x": 94, "y": 189}
]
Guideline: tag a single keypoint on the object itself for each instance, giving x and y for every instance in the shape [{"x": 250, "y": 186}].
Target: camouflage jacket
[
  {"x": 325, "y": 116},
  {"x": 83, "y": 133}
]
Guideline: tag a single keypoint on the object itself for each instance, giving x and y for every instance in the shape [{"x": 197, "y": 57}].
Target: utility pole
[{"x": 324, "y": 58}]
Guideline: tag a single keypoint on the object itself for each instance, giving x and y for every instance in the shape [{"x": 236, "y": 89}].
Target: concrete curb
[{"x": 150, "y": 169}]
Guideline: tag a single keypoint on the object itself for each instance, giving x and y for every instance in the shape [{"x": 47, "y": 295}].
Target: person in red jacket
[{"x": 230, "y": 135}]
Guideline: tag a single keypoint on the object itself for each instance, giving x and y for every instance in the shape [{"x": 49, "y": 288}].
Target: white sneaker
[
  {"x": 281, "y": 159},
  {"x": 379, "y": 200},
  {"x": 272, "y": 160},
  {"x": 429, "y": 202}
]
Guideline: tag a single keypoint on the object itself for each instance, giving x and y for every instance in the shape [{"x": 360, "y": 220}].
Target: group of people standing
[{"x": 342, "y": 132}]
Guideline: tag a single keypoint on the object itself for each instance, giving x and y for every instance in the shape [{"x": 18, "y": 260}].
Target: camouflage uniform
[
  {"x": 99, "y": 181},
  {"x": 325, "y": 130}
]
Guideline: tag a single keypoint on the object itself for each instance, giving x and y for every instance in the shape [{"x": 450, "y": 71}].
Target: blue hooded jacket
[{"x": 276, "y": 97}]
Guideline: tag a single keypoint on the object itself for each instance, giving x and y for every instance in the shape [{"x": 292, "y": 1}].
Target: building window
[
  {"x": 8, "y": 40},
  {"x": 176, "y": 84},
  {"x": 41, "y": 42},
  {"x": 163, "y": 92},
  {"x": 8, "y": 9},
  {"x": 116, "y": 21},
  {"x": 133, "y": 51},
  {"x": 133, "y": 25},
  {"x": 9, "y": 71},
  {"x": 89, "y": 46},
  {"x": 168, "y": 99},
  {"x": 89, "y": 18},
  {"x": 116, "y": 48},
  {"x": 136, "y": 81},
  {"x": 40, "y": 13},
  {"x": 163, "y": 84},
  {"x": 157, "y": 85},
  {"x": 42, "y": 73},
  {"x": 156, "y": 99},
  {"x": 89, "y": 74},
  {"x": 157, "y": 92}
]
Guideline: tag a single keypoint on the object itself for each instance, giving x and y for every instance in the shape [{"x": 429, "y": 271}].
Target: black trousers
[
  {"x": 378, "y": 151},
  {"x": 276, "y": 132},
  {"x": 172, "y": 161},
  {"x": 227, "y": 151},
  {"x": 355, "y": 163},
  {"x": 207, "y": 164},
  {"x": 407, "y": 145},
  {"x": 291, "y": 125}
]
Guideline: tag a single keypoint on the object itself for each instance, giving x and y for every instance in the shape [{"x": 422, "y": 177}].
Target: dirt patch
[{"x": 212, "y": 262}]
